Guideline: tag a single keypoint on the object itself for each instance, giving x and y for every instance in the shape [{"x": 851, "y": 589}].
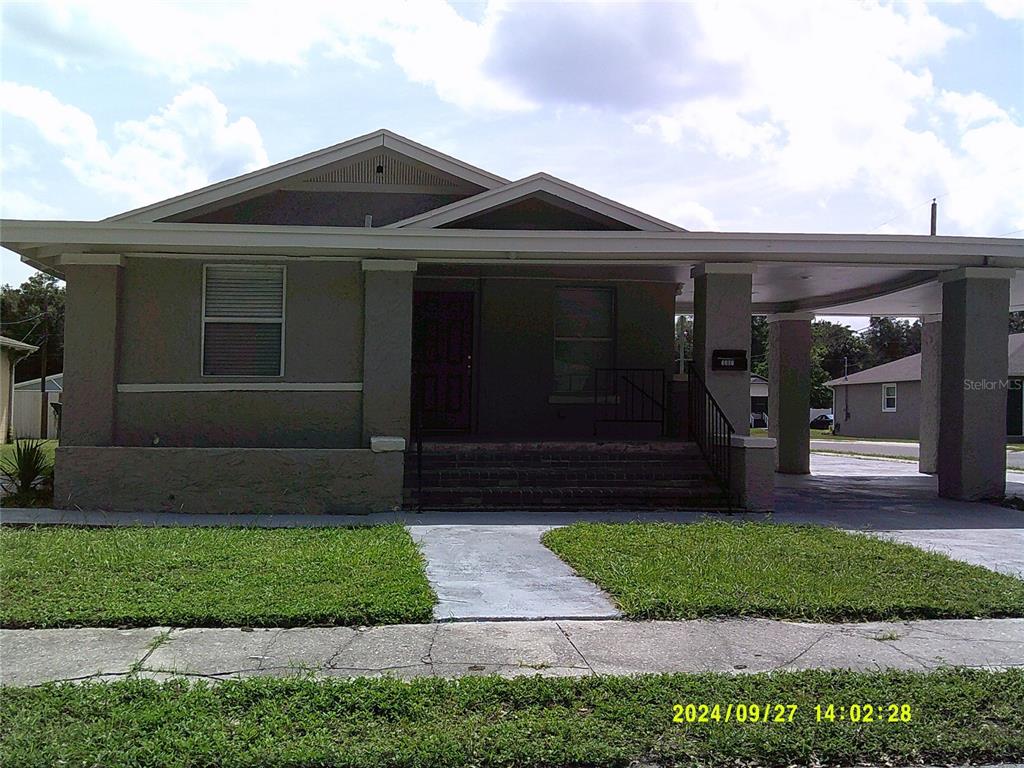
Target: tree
[
  {"x": 1017, "y": 322},
  {"x": 889, "y": 338},
  {"x": 759, "y": 345},
  {"x": 839, "y": 349},
  {"x": 34, "y": 312}
]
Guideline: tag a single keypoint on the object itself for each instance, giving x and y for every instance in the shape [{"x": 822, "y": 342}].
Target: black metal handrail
[
  {"x": 630, "y": 395},
  {"x": 417, "y": 425},
  {"x": 710, "y": 429}
]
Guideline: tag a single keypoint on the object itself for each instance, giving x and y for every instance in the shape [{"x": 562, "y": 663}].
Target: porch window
[
  {"x": 584, "y": 337},
  {"x": 888, "y": 397},
  {"x": 243, "y": 320}
]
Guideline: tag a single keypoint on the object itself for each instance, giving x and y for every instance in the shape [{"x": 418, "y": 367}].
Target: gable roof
[
  {"x": 304, "y": 165},
  {"x": 909, "y": 368},
  {"x": 538, "y": 183}
]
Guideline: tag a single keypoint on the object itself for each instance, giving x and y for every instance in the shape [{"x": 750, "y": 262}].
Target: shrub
[{"x": 26, "y": 466}]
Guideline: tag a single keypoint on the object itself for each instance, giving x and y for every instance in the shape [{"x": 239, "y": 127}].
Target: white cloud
[
  {"x": 15, "y": 204},
  {"x": 186, "y": 145},
  {"x": 428, "y": 39},
  {"x": 1006, "y": 9},
  {"x": 838, "y": 96}
]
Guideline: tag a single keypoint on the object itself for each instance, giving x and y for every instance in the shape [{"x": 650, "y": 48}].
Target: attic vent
[{"x": 384, "y": 169}]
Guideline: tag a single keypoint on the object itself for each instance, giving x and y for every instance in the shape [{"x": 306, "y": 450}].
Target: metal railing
[
  {"x": 710, "y": 429},
  {"x": 630, "y": 395}
]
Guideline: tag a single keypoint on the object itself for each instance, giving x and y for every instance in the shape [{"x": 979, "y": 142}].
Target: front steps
[{"x": 560, "y": 475}]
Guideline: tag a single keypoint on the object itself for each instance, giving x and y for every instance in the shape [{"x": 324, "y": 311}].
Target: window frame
[
  {"x": 885, "y": 397},
  {"x": 610, "y": 340},
  {"x": 264, "y": 320}
]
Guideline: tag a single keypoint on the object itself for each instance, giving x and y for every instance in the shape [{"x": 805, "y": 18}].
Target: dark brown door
[{"x": 442, "y": 360}]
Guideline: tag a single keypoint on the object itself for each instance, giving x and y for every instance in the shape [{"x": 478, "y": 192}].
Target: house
[
  {"x": 11, "y": 350},
  {"x": 885, "y": 401},
  {"x": 362, "y": 325},
  {"x": 26, "y": 406},
  {"x": 758, "y": 401}
]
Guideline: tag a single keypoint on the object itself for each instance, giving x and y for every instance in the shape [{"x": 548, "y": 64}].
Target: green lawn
[
  {"x": 58, "y": 577},
  {"x": 49, "y": 446},
  {"x": 955, "y": 717},
  {"x": 811, "y": 573}
]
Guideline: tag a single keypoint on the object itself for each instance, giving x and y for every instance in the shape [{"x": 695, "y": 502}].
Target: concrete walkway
[
  {"x": 901, "y": 448},
  {"x": 550, "y": 648},
  {"x": 503, "y": 571}
]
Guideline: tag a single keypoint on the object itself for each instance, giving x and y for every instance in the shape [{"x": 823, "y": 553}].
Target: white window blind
[{"x": 243, "y": 320}]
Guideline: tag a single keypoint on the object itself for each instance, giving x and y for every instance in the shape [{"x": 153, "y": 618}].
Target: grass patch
[
  {"x": 49, "y": 446},
  {"x": 59, "y": 577},
  {"x": 957, "y": 716},
  {"x": 811, "y": 573}
]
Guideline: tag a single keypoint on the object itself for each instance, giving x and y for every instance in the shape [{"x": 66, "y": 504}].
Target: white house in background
[
  {"x": 11, "y": 350},
  {"x": 26, "y": 406}
]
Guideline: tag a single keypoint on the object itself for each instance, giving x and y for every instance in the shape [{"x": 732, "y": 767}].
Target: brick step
[
  {"x": 485, "y": 475},
  {"x": 565, "y": 468},
  {"x": 621, "y": 497},
  {"x": 558, "y": 452},
  {"x": 553, "y": 482},
  {"x": 433, "y": 462}
]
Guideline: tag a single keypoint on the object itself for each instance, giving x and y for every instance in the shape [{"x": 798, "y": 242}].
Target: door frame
[{"x": 471, "y": 285}]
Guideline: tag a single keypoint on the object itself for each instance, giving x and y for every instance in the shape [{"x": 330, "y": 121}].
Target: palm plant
[{"x": 27, "y": 465}]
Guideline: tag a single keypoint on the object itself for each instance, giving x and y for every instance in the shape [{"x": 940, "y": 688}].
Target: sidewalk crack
[{"x": 578, "y": 652}]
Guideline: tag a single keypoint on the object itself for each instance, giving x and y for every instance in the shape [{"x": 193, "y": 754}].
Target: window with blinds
[{"x": 243, "y": 320}]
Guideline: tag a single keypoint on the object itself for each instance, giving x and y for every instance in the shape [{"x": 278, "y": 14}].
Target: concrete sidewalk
[
  {"x": 549, "y": 648},
  {"x": 901, "y": 448}
]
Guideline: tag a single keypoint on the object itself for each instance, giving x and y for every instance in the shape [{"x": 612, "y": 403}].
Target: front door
[{"x": 442, "y": 360}]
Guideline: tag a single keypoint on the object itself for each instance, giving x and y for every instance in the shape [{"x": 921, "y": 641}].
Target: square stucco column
[
  {"x": 789, "y": 391},
  {"x": 972, "y": 383},
  {"x": 387, "y": 347},
  {"x": 721, "y": 320},
  {"x": 91, "y": 342},
  {"x": 931, "y": 361}
]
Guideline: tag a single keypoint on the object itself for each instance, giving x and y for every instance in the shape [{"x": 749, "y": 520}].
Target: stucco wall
[
  {"x": 161, "y": 331},
  {"x": 227, "y": 480},
  {"x": 5, "y": 392},
  {"x": 866, "y": 416},
  {"x": 515, "y": 365}
]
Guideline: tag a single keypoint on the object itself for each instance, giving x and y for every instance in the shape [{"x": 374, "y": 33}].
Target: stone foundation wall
[{"x": 228, "y": 480}]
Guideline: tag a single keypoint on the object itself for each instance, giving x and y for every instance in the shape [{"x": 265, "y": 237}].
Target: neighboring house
[
  {"x": 283, "y": 340},
  {"x": 11, "y": 351},
  {"x": 26, "y": 406},
  {"x": 885, "y": 401},
  {"x": 758, "y": 401}
]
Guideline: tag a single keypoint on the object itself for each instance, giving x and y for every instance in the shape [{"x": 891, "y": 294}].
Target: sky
[{"x": 729, "y": 116}]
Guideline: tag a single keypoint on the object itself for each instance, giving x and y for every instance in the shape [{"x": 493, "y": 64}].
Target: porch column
[
  {"x": 721, "y": 320},
  {"x": 972, "y": 383},
  {"x": 789, "y": 391},
  {"x": 91, "y": 341},
  {"x": 931, "y": 361},
  {"x": 387, "y": 347}
]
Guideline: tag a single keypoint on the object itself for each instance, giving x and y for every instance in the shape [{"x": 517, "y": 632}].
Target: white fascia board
[
  {"x": 540, "y": 182},
  {"x": 41, "y": 240},
  {"x": 441, "y": 161},
  {"x": 304, "y": 164}
]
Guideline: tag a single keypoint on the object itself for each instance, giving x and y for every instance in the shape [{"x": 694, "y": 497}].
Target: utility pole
[{"x": 43, "y": 350}]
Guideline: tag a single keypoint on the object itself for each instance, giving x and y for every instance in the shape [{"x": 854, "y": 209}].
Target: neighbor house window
[
  {"x": 888, "y": 397},
  {"x": 243, "y": 320},
  {"x": 584, "y": 337}
]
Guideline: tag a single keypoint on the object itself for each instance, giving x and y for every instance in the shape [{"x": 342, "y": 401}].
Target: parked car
[{"x": 824, "y": 421}]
